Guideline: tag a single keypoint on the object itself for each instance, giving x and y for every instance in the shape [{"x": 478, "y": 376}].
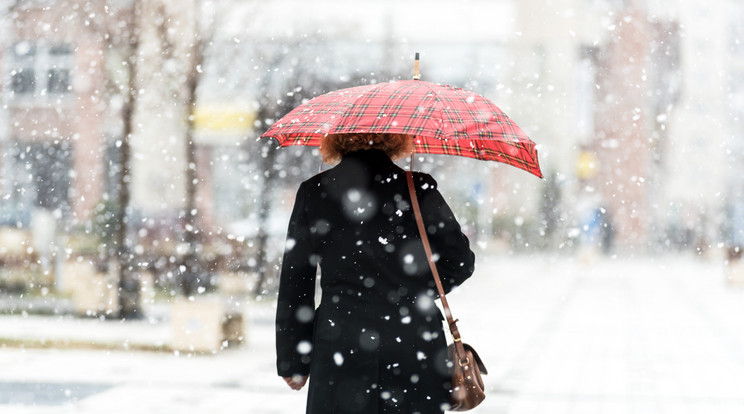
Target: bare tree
[
  {"x": 121, "y": 31},
  {"x": 129, "y": 286},
  {"x": 195, "y": 277}
]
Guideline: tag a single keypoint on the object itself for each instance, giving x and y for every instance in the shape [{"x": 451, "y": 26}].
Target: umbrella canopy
[{"x": 442, "y": 119}]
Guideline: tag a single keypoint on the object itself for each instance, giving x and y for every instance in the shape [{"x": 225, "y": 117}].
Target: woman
[{"x": 375, "y": 344}]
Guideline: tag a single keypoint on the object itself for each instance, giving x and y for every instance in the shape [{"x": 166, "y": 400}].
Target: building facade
[
  {"x": 618, "y": 94},
  {"x": 60, "y": 126}
]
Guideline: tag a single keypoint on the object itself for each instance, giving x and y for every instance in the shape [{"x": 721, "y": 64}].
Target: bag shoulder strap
[{"x": 425, "y": 240}]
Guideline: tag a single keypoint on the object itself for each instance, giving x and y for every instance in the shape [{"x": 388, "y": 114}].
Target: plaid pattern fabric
[{"x": 441, "y": 118}]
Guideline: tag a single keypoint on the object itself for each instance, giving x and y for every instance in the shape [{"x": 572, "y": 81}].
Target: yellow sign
[
  {"x": 586, "y": 165},
  {"x": 228, "y": 119}
]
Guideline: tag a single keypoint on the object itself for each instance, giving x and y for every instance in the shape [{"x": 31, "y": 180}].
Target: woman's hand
[{"x": 296, "y": 382}]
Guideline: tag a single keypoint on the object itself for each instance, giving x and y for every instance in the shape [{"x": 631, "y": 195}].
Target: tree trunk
[
  {"x": 129, "y": 286},
  {"x": 267, "y": 161},
  {"x": 195, "y": 279}
]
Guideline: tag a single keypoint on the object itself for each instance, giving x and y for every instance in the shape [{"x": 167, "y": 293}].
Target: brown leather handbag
[{"x": 467, "y": 385}]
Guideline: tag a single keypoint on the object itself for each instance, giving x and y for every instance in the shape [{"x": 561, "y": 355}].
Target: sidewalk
[
  {"x": 618, "y": 336},
  {"x": 559, "y": 335},
  {"x": 34, "y": 331},
  {"x": 152, "y": 333}
]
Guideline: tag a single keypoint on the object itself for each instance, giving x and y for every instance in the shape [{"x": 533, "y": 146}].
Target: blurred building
[
  {"x": 704, "y": 154},
  {"x": 631, "y": 102},
  {"x": 623, "y": 133},
  {"x": 637, "y": 105},
  {"x": 56, "y": 118},
  {"x": 734, "y": 218},
  {"x": 65, "y": 80}
]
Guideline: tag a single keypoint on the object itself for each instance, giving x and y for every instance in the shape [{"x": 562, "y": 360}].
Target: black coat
[{"x": 375, "y": 343}]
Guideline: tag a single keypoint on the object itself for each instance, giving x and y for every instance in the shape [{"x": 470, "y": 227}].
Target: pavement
[{"x": 559, "y": 334}]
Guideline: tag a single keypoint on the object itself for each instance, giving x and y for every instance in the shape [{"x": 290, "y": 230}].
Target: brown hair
[{"x": 334, "y": 146}]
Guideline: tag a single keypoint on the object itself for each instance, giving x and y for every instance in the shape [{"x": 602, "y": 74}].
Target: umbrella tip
[{"x": 416, "y": 74}]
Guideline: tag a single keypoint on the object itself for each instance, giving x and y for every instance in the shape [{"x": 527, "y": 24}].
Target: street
[{"x": 558, "y": 335}]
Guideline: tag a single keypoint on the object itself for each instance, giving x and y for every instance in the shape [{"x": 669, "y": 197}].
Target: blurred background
[{"x": 136, "y": 198}]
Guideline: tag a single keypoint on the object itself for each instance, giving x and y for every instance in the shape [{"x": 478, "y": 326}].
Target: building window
[
  {"x": 58, "y": 72},
  {"x": 35, "y": 175},
  {"x": 24, "y": 81},
  {"x": 112, "y": 167},
  {"x": 40, "y": 70},
  {"x": 59, "y": 80},
  {"x": 23, "y": 78},
  {"x": 49, "y": 164}
]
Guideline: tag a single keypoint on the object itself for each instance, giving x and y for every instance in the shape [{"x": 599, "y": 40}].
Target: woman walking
[{"x": 375, "y": 344}]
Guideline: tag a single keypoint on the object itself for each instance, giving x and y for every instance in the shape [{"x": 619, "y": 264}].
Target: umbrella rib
[{"x": 438, "y": 107}]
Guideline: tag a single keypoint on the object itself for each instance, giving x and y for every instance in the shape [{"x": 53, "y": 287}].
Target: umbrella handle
[{"x": 416, "y": 74}]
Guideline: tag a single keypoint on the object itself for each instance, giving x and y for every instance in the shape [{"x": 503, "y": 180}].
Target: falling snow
[{"x": 135, "y": 193}]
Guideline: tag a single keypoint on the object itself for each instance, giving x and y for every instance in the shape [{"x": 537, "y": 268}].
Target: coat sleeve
[
  {"x": 296, "y": 302},
  {"x": 450, "y": 247}
]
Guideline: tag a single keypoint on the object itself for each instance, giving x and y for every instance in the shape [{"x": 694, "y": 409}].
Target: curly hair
[{"x": 333, "y": 147}]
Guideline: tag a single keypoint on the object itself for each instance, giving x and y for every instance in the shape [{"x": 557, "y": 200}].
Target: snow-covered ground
[{"x": 558, "y": 335}]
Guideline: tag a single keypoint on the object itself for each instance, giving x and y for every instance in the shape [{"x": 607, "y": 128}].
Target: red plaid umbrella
[{"x": 441, "y": 118}]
